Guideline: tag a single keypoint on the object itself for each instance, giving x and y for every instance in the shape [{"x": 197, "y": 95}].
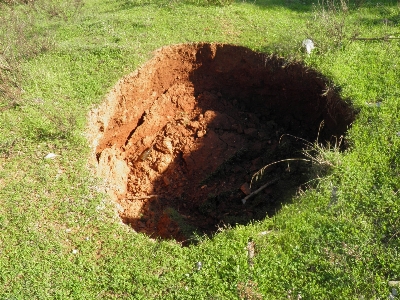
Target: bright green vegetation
[{"x": 60, "y": 237}]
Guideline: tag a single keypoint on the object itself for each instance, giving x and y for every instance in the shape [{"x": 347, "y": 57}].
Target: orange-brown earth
[{"x": 177, "y": 140}]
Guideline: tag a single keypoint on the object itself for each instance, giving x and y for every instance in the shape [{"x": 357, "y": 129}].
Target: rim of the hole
[{"x": 151, "y": 61}]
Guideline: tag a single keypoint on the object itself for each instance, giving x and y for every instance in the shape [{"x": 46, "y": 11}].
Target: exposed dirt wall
[{"x": 178, "y": 140}]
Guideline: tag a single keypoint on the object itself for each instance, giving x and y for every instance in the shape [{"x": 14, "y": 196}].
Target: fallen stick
[
  {"x": 383, "y": 38},
  {"x": 259, "y": 190}
]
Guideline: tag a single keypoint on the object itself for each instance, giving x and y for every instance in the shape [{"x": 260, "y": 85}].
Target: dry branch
[
  {"x": 259, "y": 190},
  {"x": 382, "y": 38}
]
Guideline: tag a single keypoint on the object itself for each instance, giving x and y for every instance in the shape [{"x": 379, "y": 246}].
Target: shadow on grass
[
  {"x": 294, "y": 5},
  {"x": 300, "y": 6}
]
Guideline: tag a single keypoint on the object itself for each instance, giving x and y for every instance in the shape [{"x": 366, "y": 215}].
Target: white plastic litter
[
  {"x": 199, "y": 265},
  {"x": 374, "y": 104},
  {"x": 309, "y": 45},
  {"x": 265, "y": 232},
  {"x": 50, "y": 156}
]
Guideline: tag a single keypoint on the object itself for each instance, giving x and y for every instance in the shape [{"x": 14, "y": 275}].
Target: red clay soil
[{"x": 178, "y": 140}]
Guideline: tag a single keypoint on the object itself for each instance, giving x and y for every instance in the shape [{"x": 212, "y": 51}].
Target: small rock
[
  {"x": 74, "y": 251},
  {"x": 194, "y": 124},
  {"x": 145, "y": 154},
  {"x": 201, "y": 133},
  {"x": 50, "y": 156},
  {"x": 163, "y": 163},
  {"x": 245, "y": 188},
  {"x": 165, "y": 146}
]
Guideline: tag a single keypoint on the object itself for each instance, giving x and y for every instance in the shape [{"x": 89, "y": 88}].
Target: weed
[
  {"x": 330, "y": 26},
  {"x": 20, "y": 38},
  {"x": 323, "y": 158},
  {"x": 61, "y": 9}
]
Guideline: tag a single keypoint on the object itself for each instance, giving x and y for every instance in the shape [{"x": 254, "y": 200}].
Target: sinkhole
[{"x": 178, "y": 141}]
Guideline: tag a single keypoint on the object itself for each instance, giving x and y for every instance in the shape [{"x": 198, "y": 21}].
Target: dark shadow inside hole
[{"x": 218, "y": 117}]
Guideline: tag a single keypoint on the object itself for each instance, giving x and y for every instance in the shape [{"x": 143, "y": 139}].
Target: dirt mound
[{"x": 179, "y": 139}]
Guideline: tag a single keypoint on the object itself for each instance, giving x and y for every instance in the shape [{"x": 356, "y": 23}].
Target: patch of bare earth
[{"x": 178, "y": 139}]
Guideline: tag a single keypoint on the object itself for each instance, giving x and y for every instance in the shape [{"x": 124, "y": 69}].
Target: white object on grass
[
  {"x": 199, "y": 265},
  {"x": 372, "y": 104},
  {"x": 50, "y": 156},
  {"x": 309, "y": 45}
]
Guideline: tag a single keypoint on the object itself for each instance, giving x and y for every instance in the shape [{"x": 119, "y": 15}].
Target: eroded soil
[{"x": 179, "y": 140}]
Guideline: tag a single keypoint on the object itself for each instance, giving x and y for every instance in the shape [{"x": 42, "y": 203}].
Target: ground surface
[
  {"x": 180, "y": 139},
  {"x": 60, "y": 236}
]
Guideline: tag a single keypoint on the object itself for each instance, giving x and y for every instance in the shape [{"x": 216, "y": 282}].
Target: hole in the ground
[{"x": 178, "y": 140}]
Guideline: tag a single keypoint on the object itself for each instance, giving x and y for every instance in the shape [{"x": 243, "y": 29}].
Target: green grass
[{"x": 62, "y": 58}]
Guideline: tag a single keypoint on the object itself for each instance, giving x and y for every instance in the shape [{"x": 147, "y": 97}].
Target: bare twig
[
  {"x": 261, "y": 171},
  {"x": 259, "y": 190},
  {"x": 382, "y": 38}
]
